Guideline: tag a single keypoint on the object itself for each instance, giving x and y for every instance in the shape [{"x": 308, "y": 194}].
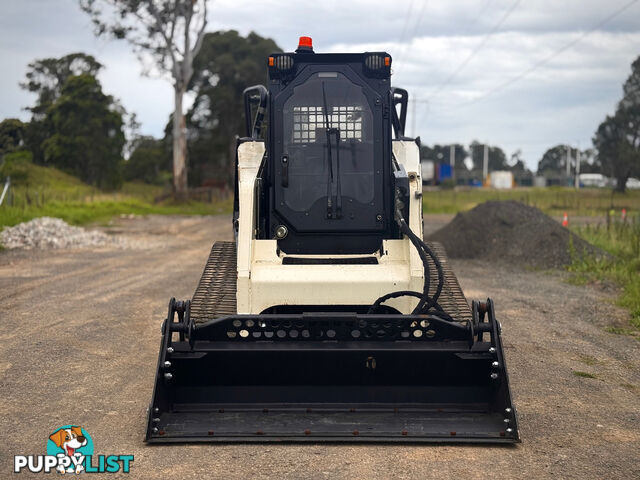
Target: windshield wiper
[{"x": 332, "y": 131}]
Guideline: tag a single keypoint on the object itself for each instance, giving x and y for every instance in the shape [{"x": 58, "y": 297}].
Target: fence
[{"x": 7, "y": 185}]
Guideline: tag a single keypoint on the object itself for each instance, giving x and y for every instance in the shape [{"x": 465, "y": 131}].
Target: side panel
[
  {"x": 272, "y": 283},
  {"x": 250, "y": 156},
  {"x": 408, "y": 155}
]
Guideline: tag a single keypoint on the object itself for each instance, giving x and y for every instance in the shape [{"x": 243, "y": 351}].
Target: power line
[
  {"x": 467, "y": 29},
  {"x": 413, "y": 32},
  {"x": 404, "y": 30},
  {"x": 414, "y": 101},
  {"x": 475, "y": 51},
  {"x": 548, "y": 58},
  {"x": 478, "y": 15},
  {"x": 406, "y": 23}
]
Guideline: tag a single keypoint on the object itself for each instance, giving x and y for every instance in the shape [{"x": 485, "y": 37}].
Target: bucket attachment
[{"x": 331, "y": 377}]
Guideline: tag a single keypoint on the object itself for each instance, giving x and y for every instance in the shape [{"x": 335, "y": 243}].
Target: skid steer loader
[{"x": 329, "y": 318}]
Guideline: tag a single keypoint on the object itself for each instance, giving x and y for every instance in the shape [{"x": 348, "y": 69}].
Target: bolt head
[
  {"x": 155, "y": 430},
  {"x": 167, "y": 364},
  {"x": 508, "y": 410},
  {"x": 170, "y": 349},
  {"x": 168, "y": 376},
  {"x": 492, "y": 350},
  {"x": 379, "y": 217},
  {"x": 281, "y": 231},
  {"x": 495, "y": 364},
  {"x": 509, "y": 430},
  {"x": 156, "y": 420},
  {"x": 156, "y": 410},
  {"x": 506, "y": 420},
  {"x": 494, "y": 376}
]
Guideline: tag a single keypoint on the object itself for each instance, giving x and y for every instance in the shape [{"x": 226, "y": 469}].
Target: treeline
[
  {"x": 616, "y": 142},
  {"x": 74, "y": 125},
  {"x": 78, "y": 128},
  {"x": 468, "y": 161},
  {"x": 615, "y": 152}
]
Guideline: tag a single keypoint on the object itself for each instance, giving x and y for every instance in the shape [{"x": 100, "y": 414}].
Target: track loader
[{"x": 329, "y": 318}]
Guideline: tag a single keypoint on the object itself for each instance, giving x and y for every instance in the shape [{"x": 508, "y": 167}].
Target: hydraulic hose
[{"x": 426, "y": 303}]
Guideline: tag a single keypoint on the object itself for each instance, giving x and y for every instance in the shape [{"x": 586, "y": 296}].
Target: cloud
[{"x": 563, "y": 101}]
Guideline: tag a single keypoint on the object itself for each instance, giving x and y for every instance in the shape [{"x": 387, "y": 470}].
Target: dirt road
[{"x": 80, "y": 332}]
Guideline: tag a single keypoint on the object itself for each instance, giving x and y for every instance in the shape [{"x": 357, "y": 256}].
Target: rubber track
[
  {"x": 452, "y": 300},
  {"x": 216, "y": 293}
]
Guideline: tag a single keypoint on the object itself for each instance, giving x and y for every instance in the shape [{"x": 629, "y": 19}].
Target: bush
[
  {"x": 16, "y": 165},
  {"x": 149, "y": 162}
]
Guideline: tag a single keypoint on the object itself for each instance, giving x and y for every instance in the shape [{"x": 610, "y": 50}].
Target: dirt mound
[
  {"x": 46, "y": 232},
  {"x": 511, "y": 232}
]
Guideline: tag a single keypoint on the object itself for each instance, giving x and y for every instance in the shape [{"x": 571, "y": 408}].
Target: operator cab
[{"x": 327, "y": 182}]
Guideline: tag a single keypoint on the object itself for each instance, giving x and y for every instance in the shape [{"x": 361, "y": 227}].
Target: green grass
[
  {"x": 622, "y": 331},
  {"x": 39, "y": 191},
  {"x": 622, "y": 239},
  {"x": 81, "y": 213},
  {"x": 589, "y": 360},
  {"x": 577, "y": 373},
  {"x": 552, "y": 200}
]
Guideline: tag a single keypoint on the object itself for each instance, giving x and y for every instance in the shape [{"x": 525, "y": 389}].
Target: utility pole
[
  {"x": 568, "y": 161},
  {"x": 578, "y": 155},
  {"x": 485, "y": 163},
  {"x": 414, "y": 102},
  {"x": 452, "y": 162},
  {"x": 413, "y": 118}
]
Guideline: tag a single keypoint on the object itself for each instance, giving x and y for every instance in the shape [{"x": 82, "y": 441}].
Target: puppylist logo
[{"x": 70, "y": 450}]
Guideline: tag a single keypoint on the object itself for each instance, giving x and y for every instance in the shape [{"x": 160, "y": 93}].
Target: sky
[{"x": 524, "y": 75}]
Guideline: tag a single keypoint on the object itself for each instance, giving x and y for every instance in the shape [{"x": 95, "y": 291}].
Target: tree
[
  {"x": 615, "y": 151},
  {"x": 171, "y": 32},
  {"x": 517, "y": 165},
  {"x": 497, "y": 157},
  {"x": 225, "y": 66},
  {"x": 617, "y": 139},
  {"x": 87, "y": 137},
  {"x": 554, "y": 161},
  {"x": 11, "y": 135},
  {"x": 589, "y": 162},
  {"x": 631, "y": 87},
  {"x": 149, "y": 162},
  {"x": 442, "y": 154},
  {"x": 45, "y": 78}
]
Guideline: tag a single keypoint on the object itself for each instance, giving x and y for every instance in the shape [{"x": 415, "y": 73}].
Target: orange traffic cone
[
  {"x": 565, "y": 220},
  {"x": 624, "y": 215}
]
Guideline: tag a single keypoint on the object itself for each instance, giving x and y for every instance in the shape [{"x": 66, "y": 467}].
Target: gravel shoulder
[{"x": 81, "y": 328}]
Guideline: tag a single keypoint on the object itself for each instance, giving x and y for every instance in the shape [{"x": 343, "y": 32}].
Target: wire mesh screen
[{"x": 309, "y": 123}]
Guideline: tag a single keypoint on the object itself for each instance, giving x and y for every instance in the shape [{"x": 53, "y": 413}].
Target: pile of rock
[
  {"x": 512, "y": 232},
  {"x": 47, "y": 232}
]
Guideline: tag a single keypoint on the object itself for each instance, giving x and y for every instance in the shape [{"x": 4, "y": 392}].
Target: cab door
[{"x": 332, "y": 182}]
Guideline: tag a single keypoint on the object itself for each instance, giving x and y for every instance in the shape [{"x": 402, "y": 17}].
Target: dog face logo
[
  {"x": 70, "y": 450},
  {"x": 69, "y": 439},
  {"x": 73, "y": 442}
]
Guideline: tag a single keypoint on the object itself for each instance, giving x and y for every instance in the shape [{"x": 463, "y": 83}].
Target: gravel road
[{"x": 80, "y": 331}]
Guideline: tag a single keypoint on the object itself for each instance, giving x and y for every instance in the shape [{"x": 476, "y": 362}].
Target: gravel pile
[
  {"x": 47, "y": 232},
  {"x": 514, "y": 233}
]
